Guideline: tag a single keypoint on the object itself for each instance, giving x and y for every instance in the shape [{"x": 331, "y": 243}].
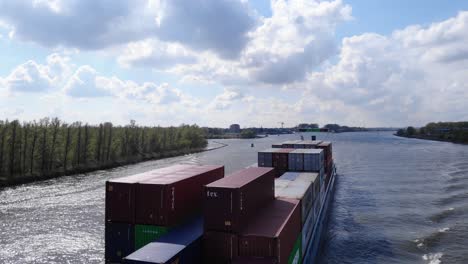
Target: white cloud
[
  {"x": 75, "y": 23},
  {"x": 399, "y": 79},
  {"x": 283, "y": 48},
  {"x": 226, "y": 99},
  {"x": 84, "y": 84},
  {"x": 220, "y": 26},
  {"x": 152, "y": 53},
  {"x": 27, "y": 77}
]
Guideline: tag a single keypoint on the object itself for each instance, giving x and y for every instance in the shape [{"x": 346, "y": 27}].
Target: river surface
[{"x": 397, "y": 200}]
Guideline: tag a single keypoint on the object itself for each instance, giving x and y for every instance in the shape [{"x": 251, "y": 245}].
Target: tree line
[
  {"x": 51, "y": 147},
  {"x": 446, "y": 131}
]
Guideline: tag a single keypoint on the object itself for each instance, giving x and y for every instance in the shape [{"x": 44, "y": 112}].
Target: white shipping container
[{"x": 300, "y": 186}]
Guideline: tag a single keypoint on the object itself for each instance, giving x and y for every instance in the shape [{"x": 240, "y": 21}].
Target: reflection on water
[{"x": 397, "y": 201}]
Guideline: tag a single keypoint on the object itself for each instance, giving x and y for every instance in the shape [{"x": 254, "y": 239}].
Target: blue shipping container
[{"x": 181, "y": 245}]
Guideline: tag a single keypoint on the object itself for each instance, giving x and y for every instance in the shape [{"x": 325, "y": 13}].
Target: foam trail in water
[
  {"x": 443, "y": 230},
  {"x": 433, "y": 258}
]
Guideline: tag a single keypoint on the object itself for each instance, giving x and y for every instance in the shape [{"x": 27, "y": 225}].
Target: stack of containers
[
  {"x": 308, "y": 144},
  {"x": 290, "y": 143},
  {"x": 180, "y": 245},
  {"x": 142, "y": 207},
  {"x": 230, "y": 204},
  {"x": 327, "y": 148},
  {"x": 265, "y": 157},
  {"x": 273, "y": 236},
  {"x": 275, "y": 157},
  {"x": 305, "y": 188}
]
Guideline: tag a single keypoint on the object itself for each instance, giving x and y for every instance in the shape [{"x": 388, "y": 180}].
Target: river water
[{"x": 397, "y": 200}]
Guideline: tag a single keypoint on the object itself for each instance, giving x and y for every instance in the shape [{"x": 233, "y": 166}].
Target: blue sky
[{"x": 216, "y": 62}]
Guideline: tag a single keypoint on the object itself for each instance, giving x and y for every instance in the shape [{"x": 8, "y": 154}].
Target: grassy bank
[
  {"x": 50, "y": 148},
  {"x": 432, "y": 138},
  {"x": 8, "y": 182}
]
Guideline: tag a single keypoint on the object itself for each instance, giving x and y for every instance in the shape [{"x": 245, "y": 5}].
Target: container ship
[{"x": 274, "y": 212}]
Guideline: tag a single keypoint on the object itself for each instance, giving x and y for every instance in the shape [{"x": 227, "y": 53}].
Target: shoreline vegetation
[
  {"x": 455, "y": 132},
  {"x": 49, "y": 148}
]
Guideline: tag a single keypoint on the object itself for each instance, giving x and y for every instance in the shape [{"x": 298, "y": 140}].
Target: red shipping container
[
  {"x": 273, "y": 232},
  {"x": 169, "y": 199},
  {"x": 232, "y": 201},
  {"x": 327, "y": 148},
  {"x": 219, "y": 247},
  {"x": 253, "y": 260},
  {"x": 280, "y": 159},
  {"x": 120, "y": 198}
]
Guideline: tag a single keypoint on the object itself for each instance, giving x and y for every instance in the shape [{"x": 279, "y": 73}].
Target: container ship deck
[{"x": 275, "y": 212}]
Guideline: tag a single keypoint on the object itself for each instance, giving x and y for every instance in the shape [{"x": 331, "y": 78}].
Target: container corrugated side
[
  {"x": 120, "y": 198},
  {"x": 219, "y": 247},
  {"x": 181, "y": 245},
  {"x": 313, "y": 159},
  {"x": 232, "y": 201},
  {"x": 119, "y": 241},
  {"x": 273, "y": 232},
  {"x": 145, "y": 234},
  {"x": 163, "y": 201},
  {"x": 301, "y": 188}
]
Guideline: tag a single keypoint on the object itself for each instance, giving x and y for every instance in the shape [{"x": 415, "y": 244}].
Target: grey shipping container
[
  {"x": 265, "y": 158},
  {"x": 313, "y": 159},
  {"x": 233, "y": 200},
  {"x": 296, "y": 160},
  {"x": 273, "y": 232}
]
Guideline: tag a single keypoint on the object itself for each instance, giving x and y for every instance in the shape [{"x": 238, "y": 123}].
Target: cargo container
[
  {"x": 119, "y": 241},
  {"x": 277, "y": 146},
  {"x": 273, "y": 232},
  {"x": 296, "y": 160},
  {"x": 219, "y": 247},
  {"x": 327, "y": 148},
  {"x": 300, "y": 186},
  {"x": 308, "y": 144},
  {"x": 313, "y": 249},
  {"x": 294, "y": 258},
  {"x": 181, "y": 245},
  {"x": 145, "y": 234},
  {"x": 162, "y": 200},
  {"x": 120, "y": 198},
  {"x": 290, "y": 143},
  {"x": 233, "y": 200},
  {"x": 120, "y": 193},
  {"x": 280, "y": 160},
  {"x": 265, "y": 158},
  {"x": 313, "y": 159}
]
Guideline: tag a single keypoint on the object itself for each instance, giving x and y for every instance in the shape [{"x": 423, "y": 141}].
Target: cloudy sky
[{"x": 217, "y": 62}]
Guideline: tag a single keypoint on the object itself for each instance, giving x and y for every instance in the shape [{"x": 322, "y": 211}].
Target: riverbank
[
  {"x": 432, "y": 139},
  {"x": 5, "y": 182}
]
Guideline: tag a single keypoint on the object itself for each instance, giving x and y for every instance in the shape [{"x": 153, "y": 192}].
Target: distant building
[{"x": 234, "y": 128}]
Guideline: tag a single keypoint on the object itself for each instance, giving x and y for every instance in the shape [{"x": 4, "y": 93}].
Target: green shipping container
[
  {"x": 296, "y": 254},
  {"x": 145, "y": 234}
]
